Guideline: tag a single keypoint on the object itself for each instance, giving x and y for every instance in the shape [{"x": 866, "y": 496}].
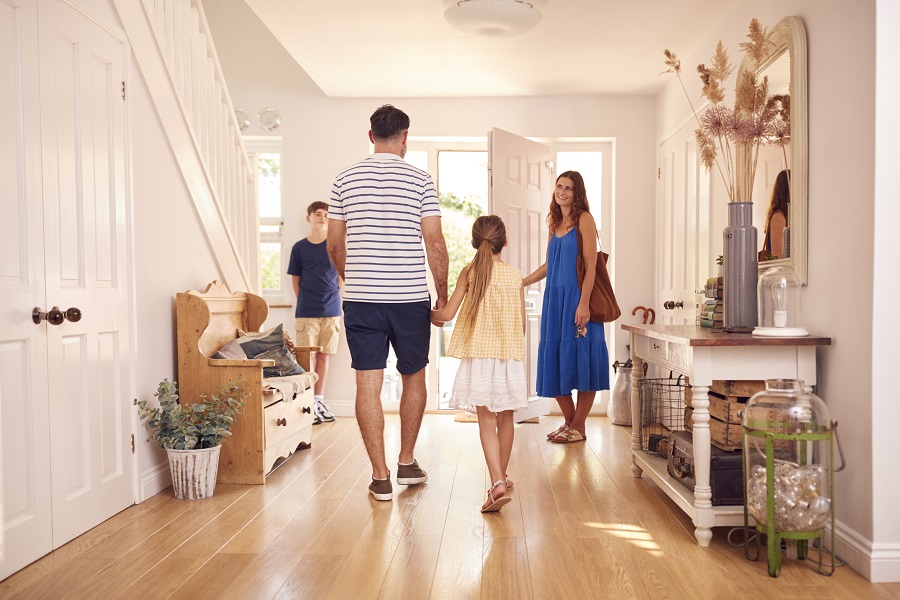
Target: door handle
[
  {"x": 671, "y": 304},
  {"x": 55, "y": 316}
]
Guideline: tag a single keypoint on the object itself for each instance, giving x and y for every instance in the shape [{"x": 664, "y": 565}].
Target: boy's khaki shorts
[{"x": 325, "y": 332}]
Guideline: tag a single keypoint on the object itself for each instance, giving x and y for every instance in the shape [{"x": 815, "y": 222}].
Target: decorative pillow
[
  {"x": 285, "y": 363},
  {"x": 265, "y": 345},
  {"x": 255, "y": 343},
  {"x": 232, "y": 350}
]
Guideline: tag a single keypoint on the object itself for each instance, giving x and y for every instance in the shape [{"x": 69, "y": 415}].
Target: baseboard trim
[
  {"x": 154, "y": 480},
  {"x": 879, "y": 563}
]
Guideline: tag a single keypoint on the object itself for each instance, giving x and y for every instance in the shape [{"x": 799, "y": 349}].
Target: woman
[
  {"x": 572, "y": 353},
  {"x": 776, "y": 218}
]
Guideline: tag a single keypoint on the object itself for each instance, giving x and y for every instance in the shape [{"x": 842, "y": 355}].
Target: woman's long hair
[
  {"x": 579, "y": 205},
  {"x": 781, "y": 197},
  {"x": 488, "y": 238}
]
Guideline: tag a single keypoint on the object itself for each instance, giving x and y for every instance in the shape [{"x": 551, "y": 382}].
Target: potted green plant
[{"x": 192, "y": 434}]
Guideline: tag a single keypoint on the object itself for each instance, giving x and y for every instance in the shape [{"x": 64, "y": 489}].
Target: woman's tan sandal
[
  {"x": 495, "y": 504},
  {"x": 568, "y": 436},
  {"x": 556, "y": 432},
  {"x": 509, "y": 483}
]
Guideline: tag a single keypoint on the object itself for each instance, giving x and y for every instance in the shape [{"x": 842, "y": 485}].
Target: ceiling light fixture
[{"x": 493, "y": 18}]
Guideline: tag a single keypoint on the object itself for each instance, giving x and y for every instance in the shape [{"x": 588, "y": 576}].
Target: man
[
  {"x": 318, "y": 313},
  {"x": 381, "y": 210}
]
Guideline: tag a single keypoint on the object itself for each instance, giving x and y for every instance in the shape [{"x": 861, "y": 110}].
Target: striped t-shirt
[{"x": 383, "y": 200}]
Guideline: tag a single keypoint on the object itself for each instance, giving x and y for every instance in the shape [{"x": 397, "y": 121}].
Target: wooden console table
[{"x": 703, "y": 356}]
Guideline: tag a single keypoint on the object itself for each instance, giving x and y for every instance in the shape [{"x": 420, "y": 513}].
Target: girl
[
  {"x": 489, "y": 338},
  {"x": 572, "y": 353}
]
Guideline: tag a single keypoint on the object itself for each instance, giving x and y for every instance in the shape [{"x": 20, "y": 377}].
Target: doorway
[{"x": 459, "y": 168}]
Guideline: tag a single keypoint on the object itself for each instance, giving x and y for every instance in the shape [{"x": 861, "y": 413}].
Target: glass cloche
[
  {"x": 788, "y": 457},
  {"x": 778, "y": 292}
]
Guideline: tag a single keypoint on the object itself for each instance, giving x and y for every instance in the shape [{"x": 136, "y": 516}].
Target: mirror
[{"x": 785, "y": 68}]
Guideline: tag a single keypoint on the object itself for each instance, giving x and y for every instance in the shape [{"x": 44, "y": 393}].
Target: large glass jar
[{"x": 788, "y": 457}]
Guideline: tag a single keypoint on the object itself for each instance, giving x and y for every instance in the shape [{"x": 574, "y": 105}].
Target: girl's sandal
[
  {"x": 568, "y": 436},
  {"x": 556, "y": 432},
  {"x": 508, "y": 482},
  {"x": 495, "y": 504}
]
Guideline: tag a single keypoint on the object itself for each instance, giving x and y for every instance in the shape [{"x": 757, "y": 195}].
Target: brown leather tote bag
[{"x": 603, "y": 305}]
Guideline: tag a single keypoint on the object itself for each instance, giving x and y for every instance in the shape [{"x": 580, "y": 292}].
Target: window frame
[{"x": 255, "y": 146}]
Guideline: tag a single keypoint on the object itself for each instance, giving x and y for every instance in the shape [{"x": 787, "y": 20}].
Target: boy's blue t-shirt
[{"x": 319, "y": 294}]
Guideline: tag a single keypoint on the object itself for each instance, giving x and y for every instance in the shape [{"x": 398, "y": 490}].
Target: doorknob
[
  {"x": 671, "y": 304},
  {"x": 55, "y": 316}
]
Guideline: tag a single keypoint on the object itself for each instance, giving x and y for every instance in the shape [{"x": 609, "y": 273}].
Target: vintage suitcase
[{"x": 726, "y": 474}]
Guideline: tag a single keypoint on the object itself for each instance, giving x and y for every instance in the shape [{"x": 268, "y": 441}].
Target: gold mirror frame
[{"x": 789, "y": 35}]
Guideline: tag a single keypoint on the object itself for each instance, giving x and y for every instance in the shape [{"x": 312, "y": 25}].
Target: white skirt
[{"x": 496, "y": 384}]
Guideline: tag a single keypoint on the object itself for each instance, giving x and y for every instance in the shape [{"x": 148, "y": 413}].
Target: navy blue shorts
[{"x": 371, "y": 326}]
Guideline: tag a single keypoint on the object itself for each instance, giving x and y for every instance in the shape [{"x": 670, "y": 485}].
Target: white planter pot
[{"x": 194, "y": 472}]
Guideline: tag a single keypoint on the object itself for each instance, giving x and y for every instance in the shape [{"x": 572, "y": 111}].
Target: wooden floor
[{"x": 579, "y": 526}]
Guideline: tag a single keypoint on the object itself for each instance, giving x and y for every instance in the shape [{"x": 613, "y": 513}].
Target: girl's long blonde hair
[{"x": 488, "y": 238}]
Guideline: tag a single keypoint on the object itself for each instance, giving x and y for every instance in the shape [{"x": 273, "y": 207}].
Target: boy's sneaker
[
  {"x": 382, "y": 488},
  {"x": 411, "y": 474},
  {"x": 317, "y": 420},
  {"x": 322, "y": 412}
]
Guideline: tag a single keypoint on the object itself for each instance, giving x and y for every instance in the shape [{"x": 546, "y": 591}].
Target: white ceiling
[{"x": 404, "y": 48}]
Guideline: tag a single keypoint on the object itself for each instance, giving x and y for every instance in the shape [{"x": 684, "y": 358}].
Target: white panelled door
[
  {"x": 24, "y": 411},
  {"x": 519, "y": 193},
  {"x": 683, "y": 234},
  {"x": 66, "y": 415}
]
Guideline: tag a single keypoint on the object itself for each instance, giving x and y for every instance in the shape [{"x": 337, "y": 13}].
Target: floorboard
[{"x": 579, "y": 526}]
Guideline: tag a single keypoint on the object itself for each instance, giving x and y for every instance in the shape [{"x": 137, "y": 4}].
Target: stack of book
[{"x": 711, "y": 313}]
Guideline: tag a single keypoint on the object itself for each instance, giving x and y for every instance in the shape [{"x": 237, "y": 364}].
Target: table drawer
[
  {"x": 651, "y": 349},
  {"x": 665, "y": 354}
]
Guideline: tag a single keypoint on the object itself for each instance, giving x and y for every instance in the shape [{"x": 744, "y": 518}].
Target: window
[{"x": 266, "y": 152}]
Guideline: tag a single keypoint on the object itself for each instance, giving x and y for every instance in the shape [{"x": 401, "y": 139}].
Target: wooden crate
[
  {"x": 739, "y": 388},
  {"x": 722, "y": 435},
  {"x": 726, "y": 408}
]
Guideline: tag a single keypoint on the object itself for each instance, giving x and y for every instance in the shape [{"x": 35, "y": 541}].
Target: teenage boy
[{"x": 317, "y": 288}]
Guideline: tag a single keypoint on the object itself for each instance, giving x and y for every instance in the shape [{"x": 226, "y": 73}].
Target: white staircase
[{"x": 173, "y": 46}]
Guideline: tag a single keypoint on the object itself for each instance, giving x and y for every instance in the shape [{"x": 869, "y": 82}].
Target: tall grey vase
[{"x": 740, "y": 268}]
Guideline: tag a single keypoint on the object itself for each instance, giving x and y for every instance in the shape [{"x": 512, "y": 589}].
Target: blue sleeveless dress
[{"x": 564, "y": 362}]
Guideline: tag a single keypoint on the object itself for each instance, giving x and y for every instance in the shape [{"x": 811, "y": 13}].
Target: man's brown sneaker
[
  {"x": 411, "y": 474},
  {"x": 382, "y": 488}
]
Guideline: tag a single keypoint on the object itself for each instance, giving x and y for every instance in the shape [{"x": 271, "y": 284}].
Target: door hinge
[
  {"x": 658, "y": 170},
  {"x": 123, "y": 89},
  {"x": 132, "y": 443}
]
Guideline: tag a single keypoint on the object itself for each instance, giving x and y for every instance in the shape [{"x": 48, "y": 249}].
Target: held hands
[{"x": 437, "y": 316}]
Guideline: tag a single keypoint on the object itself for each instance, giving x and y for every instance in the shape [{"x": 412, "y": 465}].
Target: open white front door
[{"x": 519, "y": 193}]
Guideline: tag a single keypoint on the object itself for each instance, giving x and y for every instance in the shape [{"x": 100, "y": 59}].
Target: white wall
[
  {"x": 885, "y": 325},
  {"x": 323, "y": 135},
  {"x": 840, "y": 299},
  {"x": 171, "y": 255}
]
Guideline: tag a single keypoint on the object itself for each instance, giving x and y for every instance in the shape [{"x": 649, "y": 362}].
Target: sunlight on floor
[{"x": 638, "y": 536}]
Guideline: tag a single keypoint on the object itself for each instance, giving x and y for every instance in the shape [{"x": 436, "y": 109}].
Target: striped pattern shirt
[
  {"x": 498, "y": 326},
  {"x": 383, "y": 200}
]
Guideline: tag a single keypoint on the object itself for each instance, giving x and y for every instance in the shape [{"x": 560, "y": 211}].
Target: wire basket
[{"x": 662, "y": 411}]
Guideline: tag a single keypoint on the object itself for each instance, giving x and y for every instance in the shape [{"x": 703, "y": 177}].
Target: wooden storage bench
[{"x": 270, "y": 425}]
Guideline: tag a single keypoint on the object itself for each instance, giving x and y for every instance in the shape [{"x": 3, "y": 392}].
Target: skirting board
[
  {"x": 879, "y": 563},
  {"x": 154, "y": 480}
]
